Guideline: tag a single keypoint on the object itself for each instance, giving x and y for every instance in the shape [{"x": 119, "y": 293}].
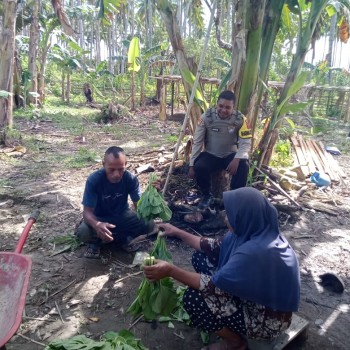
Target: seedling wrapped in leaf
[{"x": 152, "y": 204}]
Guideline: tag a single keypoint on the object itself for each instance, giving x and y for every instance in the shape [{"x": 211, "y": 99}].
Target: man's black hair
[
  {"x": 116, "y": 151},
  {"x": 227, "y": 95}
]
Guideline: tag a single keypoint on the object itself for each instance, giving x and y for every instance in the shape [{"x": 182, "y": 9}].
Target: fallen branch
[
  {"x": 41, "y": 194},
  {"x": 136, "y": 321},
  {"x": 279, "y": 188},
  {"x": 31, "y": 340},
  {"x": 59, "y": 291},
  {"x": 59, "y": 312},
  {"x": 38, "y": 319},
  {"x": 131, "y": 275}
]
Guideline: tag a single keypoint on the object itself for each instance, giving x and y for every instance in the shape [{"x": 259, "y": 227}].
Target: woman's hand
[
  {"x": 168, "y": 230},
  {"x": 158, "y": 271}
]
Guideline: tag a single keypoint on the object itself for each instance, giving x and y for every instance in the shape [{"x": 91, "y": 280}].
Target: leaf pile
[
  {"x": 123, "y": 340},
  {"x": 159, "y": 298},
  {"x": 152, "y": 204}
]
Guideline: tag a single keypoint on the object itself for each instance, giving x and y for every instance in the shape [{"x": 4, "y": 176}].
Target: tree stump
[{"x": 219, "y": 183}]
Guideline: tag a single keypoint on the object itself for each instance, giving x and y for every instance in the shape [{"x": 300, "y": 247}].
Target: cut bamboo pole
[
  {"x": 301, "y": 159},
  {"x": 316, "y": 158},
  {"x": 329, "y": 170},
  {"x": 307, "y": 155},
  {"x": 333, "y": 162}
]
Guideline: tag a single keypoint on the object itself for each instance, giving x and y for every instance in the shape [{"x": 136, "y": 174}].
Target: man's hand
[
  {"x": 233, "y": 166},
  {"x": 158, "y": 271},
  {"x": 103, "y": 232},
  {"x": 191, "y": 173}
]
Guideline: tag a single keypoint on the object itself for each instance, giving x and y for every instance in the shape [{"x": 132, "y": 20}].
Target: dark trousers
[
  {"x": 206, "y": 164},
  {"x": 128, "y": 226}
]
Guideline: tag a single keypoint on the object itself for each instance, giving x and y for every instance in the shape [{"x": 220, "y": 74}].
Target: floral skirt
[{"x": 212, "y": 311}]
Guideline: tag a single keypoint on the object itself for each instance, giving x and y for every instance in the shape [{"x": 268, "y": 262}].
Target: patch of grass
[
  {"x": 172, "y": 138},
  {"x": 69, "y": 240},
  {"x": 37, "y": 172},
  {"x": 83, "y": 158}
]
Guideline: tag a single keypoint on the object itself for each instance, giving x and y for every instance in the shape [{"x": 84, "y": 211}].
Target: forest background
[{"x": 118, "y": 48}]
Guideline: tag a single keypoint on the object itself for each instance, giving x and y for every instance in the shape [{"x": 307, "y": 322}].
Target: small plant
[
  {"x": 70, "y": 241},
  {"x": 282, "y": 154}
]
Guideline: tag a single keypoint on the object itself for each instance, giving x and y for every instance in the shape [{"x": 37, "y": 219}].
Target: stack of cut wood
[{"x": 312, "y": 156}]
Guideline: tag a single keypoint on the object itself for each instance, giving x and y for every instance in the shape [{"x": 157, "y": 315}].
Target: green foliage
[
  {"x": 282, "y": 154},
  {"x": 70, "y": 241},
  {"x": 172, "y": 138},
  {"x": 158, "y": 298},
  {"x": 134, "y": 59},
  {"x": 152, "y": 204},
  {"x": 123, "y": 340}
]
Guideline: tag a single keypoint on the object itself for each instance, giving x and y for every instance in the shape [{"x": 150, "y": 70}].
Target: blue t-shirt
[{"x": 110, "y": 199}]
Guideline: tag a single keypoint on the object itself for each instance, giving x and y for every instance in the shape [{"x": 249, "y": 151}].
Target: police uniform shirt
[{"x": 221, "y": 137}]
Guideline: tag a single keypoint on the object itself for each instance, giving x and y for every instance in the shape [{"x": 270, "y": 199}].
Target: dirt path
[{"x": 86, "y": 293}]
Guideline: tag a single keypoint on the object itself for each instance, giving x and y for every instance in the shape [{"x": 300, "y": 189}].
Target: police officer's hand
[
  {"x": 233, "y": 166},
  {"x": 191, "y": 173},
  {"x": 103, "y": 232}
]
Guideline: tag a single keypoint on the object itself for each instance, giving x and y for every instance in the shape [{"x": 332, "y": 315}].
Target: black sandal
[{"x": 92, "y": 253}]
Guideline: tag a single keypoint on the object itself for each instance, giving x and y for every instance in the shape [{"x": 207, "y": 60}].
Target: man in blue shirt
[{"x": 106, "y": 213}]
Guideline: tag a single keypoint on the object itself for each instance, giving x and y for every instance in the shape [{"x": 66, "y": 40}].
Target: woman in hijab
[{"x": 247, "y": 283}]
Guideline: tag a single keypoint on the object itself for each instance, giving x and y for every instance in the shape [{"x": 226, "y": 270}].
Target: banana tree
[
  {"x": 134, "y": 65},
  {"x": 308, "y": 13},
  {"x": 168, "y": 15},
  {"x": 67, "y": 63}
]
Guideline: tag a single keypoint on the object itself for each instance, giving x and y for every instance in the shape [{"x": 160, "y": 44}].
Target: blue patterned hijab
[{"x": 256, "y": 263}]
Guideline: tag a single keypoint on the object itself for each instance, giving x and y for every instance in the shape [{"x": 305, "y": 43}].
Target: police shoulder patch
[{"x": 245, "y": 131}]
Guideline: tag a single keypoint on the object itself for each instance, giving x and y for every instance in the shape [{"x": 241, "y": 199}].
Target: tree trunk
[
  {"x": 7, "y": 49},
  {"x": 98, "y": 43},
  {"x": 133, "y": 90},
  {"x": 33, "y": 52},
  {"x": 332, "y": 37},
  {"x": 63, "y": 90},
  {"x": 68, "y": 88},
  {"x": 175, "y": 38},
  {"x": 150, "y": 24},
  {"x": 304, "y": 40}
]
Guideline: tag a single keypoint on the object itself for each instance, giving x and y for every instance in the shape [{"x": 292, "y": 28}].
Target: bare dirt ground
[{"x": 70, "y": 295}]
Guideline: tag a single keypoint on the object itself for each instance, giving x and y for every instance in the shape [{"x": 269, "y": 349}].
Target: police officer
[{"x": 225, "y": 137}]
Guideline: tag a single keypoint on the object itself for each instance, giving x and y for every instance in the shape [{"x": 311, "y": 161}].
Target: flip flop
[
  {"x": 130, "y": 248},
  {"x": 92, "y": 253}
]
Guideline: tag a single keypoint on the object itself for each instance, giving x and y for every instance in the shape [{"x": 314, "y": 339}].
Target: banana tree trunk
[
  {"x": 272, "y": 19},
  {"x": 7, "y": 49},
  {"x": 304, "y": 40},
  {"x": 255, "y": 17},
  {"x": 133, "y": 90},
  {"x": 169, "y": 18}
]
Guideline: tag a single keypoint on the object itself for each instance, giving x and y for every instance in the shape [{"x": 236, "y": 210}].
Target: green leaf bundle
[
  {"x": 160, "y": 250},
  {"x": 152, "y": 204},
  {"x": 159, "y": 298},
  {"x": 123, "y": 340}
]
